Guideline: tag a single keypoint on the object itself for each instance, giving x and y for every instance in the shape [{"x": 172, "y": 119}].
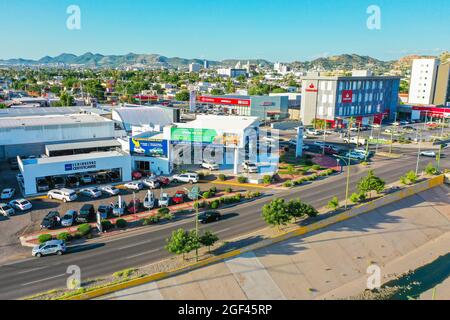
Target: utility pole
[
  {"x": 440, "y": 146},
  {"x": 418, "y": 152},
  {"x": 348, "y": 167},
  {"x": 392, "y": 135},
  {"x": 324, "y": 136}
]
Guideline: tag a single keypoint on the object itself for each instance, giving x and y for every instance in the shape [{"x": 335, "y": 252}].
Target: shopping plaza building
[{"x": 362, "y": 96}]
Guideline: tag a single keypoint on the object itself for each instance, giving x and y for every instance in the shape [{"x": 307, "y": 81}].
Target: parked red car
[
  {"x": 134, "y": 206},
  {"x": 163, "y": 181},
  {"x": 136, "y": 175},
  {"x": 179, "y": 197}
]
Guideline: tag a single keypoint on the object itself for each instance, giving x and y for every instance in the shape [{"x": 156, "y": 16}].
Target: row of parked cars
[
  {"x": 76, "y": 180},
  {"x": 10, "y": 208}
]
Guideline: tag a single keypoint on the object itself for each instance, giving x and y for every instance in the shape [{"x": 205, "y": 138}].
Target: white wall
[{"x": 423, "y": 81}]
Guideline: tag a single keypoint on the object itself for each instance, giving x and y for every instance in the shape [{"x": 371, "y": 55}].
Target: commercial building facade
[{"x": 336, "y": 99}]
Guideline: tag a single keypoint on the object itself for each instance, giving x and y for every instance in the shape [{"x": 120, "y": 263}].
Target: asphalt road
[{"x": 102, "y": 257}]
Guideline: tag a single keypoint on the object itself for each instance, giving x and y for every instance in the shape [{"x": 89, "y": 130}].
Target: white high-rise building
[
  {"x": 195, "y": 67},
  {"x": 423, "y": 81}
]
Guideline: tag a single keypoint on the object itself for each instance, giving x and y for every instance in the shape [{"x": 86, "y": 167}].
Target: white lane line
[
  {"x": 30, "y": 270},
  {"x": 45, "y": 279},
  {"x": 135, "y": 244},
  {"x": 142, "y": 253},
  {"x": 223, "y": 230}
]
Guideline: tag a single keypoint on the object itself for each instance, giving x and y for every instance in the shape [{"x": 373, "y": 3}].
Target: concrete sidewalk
[{"x": 327, "y": 264}]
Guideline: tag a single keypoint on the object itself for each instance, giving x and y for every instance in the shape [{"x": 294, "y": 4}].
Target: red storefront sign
[
  {"x": 347, "y": 96},
  {"x": 311, "y": 88},
  {"x": 433, "y": 111},
  {"x": 225, "y": 101}
]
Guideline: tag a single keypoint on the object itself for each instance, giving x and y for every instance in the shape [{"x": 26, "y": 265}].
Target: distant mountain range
[{"x": 91, "y": 60}]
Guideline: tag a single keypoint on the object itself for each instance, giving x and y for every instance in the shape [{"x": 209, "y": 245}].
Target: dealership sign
[
  {"x": 148, "y": 147},
  {"x": 347, "y": 96},
  {"x": 226, "y": 101},
  {"x": 203, "y": 137},
  {"x": 82, "y": 165}
]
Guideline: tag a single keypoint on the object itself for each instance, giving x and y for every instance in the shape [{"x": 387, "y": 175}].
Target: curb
[{"x": 355, "y": 211}]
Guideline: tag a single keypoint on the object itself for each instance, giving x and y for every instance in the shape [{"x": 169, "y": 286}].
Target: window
[{"x": 330, "y": 85}]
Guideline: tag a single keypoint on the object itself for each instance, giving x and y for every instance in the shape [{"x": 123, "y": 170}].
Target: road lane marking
[
  {"x": 135, "y": 244},
  {"x": 223, "y": 230},
  {"x": 41, "y": 280},
  {"x": 142, "y": 253},
  {"x": 30, "y": 270}
]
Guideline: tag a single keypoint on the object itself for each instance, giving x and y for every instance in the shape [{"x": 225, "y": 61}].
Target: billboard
[
  {"x": 347, "y": 96},
  {"x": 226, "y": 101},
  {"x": 156, "y": 148},
  {"x": 203, "y": 137}
]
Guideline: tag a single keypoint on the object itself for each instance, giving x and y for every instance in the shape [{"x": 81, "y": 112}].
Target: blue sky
[{"x": 278, "y": 30}]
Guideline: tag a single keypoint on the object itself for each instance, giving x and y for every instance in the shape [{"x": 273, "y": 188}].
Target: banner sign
[
  {"x": 224, "y": 100},
  {"x": 347, "y": 96},
  {"x": 148, "y": 147},
  {"x": 203, "y": 136},
  {"x": 83, "y": 165}
]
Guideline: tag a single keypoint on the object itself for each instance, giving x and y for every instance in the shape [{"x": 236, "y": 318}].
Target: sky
[{"x": 277, "y": 30}]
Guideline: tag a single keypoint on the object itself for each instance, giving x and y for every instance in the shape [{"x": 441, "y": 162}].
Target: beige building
[{"x": 442, "y": 93}]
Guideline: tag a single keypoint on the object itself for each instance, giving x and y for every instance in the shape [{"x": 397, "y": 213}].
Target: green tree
[
  {"x": 208, "y": 239},
  {"x": 66, "y": 100},
  {"x": 179, "y": 242},
  {"x": 290, "y": 170},
  {"x": 276, "y": 213},
  {"x": 370, "y": 183},
  {"x": 279, "y": 90},
  {"x": 183, "y": 95},
  {"x": 2, "y": 106},
  {"x": 217, "y": 92},
  {"x": 333, "y": 204}
]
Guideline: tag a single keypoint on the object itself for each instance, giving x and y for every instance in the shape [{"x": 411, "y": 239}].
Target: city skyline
[{"x": 227, "y": 30}]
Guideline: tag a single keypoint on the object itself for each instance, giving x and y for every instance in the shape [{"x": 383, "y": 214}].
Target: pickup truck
[{"x": 356, "y": 140}]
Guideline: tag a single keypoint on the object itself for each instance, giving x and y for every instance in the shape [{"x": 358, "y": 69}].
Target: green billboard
[{"x": 193, "y": 135}]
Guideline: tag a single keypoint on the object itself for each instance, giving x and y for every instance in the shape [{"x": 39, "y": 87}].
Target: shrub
[
  {"x": 229, "y": 190},
  {"x": 196, "y": 205},
  {"x": 206, "y": 195},
  {"x": 238, "y": 197},
  {"x": 316, "y": 167},
  {"x": 288, "y": 184},
  {"x": 357, "y": 197},
  {"x": 84, "y": 229},
  {"x": 242, "y": 179},
  {"x": 333, "y": 204},
  {"x": 214, "y": 204},
  {"x": 106, "y": 225},
  {"x": 152, "y": 219},
  {"x": 213, "y": 191},
  {"x": 222, "y": 177},
  {"x": 169, "y": 216},
  {"x": 65, "y": 236},
  {"x": 364, "y": 163},
  {"x": 163, "y": 211},
  {"x": 121, "y": 223},
  {"x": 44, "y": 238},
  {"x": 267, "y": 179},
  {"x": 430, "y": 169}
]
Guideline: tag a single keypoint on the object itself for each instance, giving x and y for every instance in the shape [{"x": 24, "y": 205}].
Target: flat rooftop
[
  {"x": 83, "y": 145},
  {"x": 75, "y": 157},
  {"x": 222, "y": 123},
  {"x": 48, "y": 120},
  {"x": 25, "y": 111}
]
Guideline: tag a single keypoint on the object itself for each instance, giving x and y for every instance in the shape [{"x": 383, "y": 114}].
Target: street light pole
[
  {"x": 348, "y": 168},
  {"x": 418, "y": 153}
]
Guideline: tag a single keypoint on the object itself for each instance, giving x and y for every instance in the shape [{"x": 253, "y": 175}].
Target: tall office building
[{"x": 429, "y": 82}]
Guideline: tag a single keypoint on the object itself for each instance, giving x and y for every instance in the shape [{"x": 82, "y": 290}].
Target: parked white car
[
  {"x": 21, "y": 204},
  {"x": 430, "y": 154},
  {"x": 186, "y": 177},
  {"x": 91, "y": 192},
  {"x": 312, "y": 132},
  {"x": 149, "y": 200},
  {"x": 6, "y": 210},
  {"x": 7, "y": 193},
  {"x": 211, "y": 165},
  {"x": 164, "y": 200},
  {"x": 355, "y": 155},
  {"x": 151, "y": 183},
  {"x": 135, "y": 185},
  {"x": 250, "y": 167},
  {"x": 110, "y": 190},
  {"x": 65, "y": 195},
  {"x": 69, "y": 218}
]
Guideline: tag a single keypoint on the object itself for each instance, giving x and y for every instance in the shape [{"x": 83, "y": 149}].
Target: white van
[{"x": 65, "y": 195}]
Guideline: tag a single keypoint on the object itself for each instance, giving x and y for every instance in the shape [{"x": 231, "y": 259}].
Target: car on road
[
  {"x": 164, "y": 200},
  {"x": 92, "y": 193},
  {"x": 331, "y": 150},
  {"x": 21, "y": 204},
  {"x": 409, "y": 128},
  {"x": 135, "y": 185},
  {"x": 65, "y": 195},
  {"x": 209, "y": 164},
  {"x": 151, "y": 183},
  {"x": 430, "y": 154},
  {"x": 51, "y": 220},
  {"x": 6, "y": 210},
  {"x": 86, "y": 213},
  {"x": 354, "y": 155},
  {"x": 105, "y": 211},
  {"x": 250, "y": 167},
  {"x": 186, "y": 177},
  {"x": 312, "y": 132},
  {"x": 209, "y": 216},
  {"x": 391, "y": 189},
  {"x": 69, "y": 218},
  {"x": 179, "y": 197},
  {"x": 7, "y": 193},
  {"x": 396, "y": 123},
  {"x": 110, "y": 190},
  {"x": 365, "y": 153},
  {"x": 57, "y": 247}
]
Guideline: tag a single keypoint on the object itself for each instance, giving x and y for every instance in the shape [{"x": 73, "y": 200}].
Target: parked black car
[
  {"x": 114, "y": 176},
  {"x": 102, "y": 178},
  {"x": 209, "y": 216},
  {"x": 51, "y": 220},
  {"x": 86, "y": 213}
]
